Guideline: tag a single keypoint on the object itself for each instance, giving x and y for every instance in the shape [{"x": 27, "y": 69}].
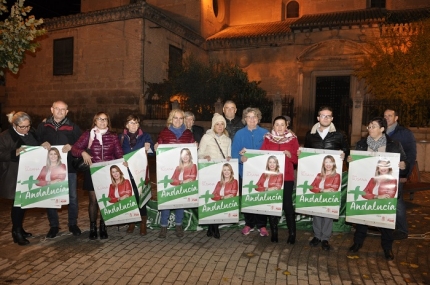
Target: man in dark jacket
[
  {"x": 197, "y": 131},
  {"x": 324, "y": 135},
  {"x": 407, "y": 139},
  {"x": 59, "y": 130},
  {"x": 234, "y": 123}
]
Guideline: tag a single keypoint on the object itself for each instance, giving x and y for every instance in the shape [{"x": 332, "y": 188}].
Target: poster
[
  {"x": 319, "y": 178},
  {"x": 218, "y": 191},
  {"x": 137, "y": 164},
  {"x": 263, "y": 182},
  {"x": 177, "y": 176},
  {"x": 114, "y": 192},
  {"x": 372, "y": 188},
  {"x": 42, "y": 180}
]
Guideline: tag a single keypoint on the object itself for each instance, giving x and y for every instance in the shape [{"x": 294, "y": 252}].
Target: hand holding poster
[
  {"x": 177, "y": 176},
  {"x": 138, "y": 164},
  {"x": 318, "y": 182},
  {"x": 372, "y": 188},
  {"x": 263, "y": 181},
  {"x": 42, "y": 178},
  {"x": 114, "y": 192},
  {"x": 218, "y": 191}
]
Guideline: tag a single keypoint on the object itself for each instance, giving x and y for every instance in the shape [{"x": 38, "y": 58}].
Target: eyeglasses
[
  {"x": 23, "y": 127},
  {"x": 372, "y": 127},
  {"x": 133, "y": 123},
  {"x": 102, "y": 119},
  {"x": 178, "y": 118},
  {"x": 252, "y": 117},
  {"x": 60, "y": 109},
  {"x": 325, "y": 117}
]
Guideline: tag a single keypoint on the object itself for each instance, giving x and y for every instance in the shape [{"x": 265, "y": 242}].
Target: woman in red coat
[
  {"x": 271, "y": 179},
  {"x": 54, "y": 171},
  {"x": 120, "y": 187},
  {"x": 186, "y": 171},
  {"x": 328, "y": 180},
  {"x": 227, "y": 187},
  {"x": 383, "y": 185},
  {"x": 282, "y": 139},
  {"x": 175, "y": 132}
]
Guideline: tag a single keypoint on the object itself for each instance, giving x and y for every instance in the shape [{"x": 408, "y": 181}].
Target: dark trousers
[
  {"x": 386, "y": 236},
  {"x": 17, "y": 216}
]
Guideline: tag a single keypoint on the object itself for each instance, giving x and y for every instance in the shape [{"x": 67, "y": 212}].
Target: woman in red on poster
[
  {"x": 120, "y": 187},
  {"x": 328, "y": 180},
  {"x": 54, "y": 171},
  {"x": 186, "y": 171},
  {"x": 383, "y": 185},
  {"x": 227, "y": 187},
  {"x": 271, "y": 179}
]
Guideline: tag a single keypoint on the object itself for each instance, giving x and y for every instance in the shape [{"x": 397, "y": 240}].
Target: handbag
[{"x": 79, "y": 164}]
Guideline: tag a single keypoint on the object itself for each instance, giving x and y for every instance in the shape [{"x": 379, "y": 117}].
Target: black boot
[
  {"x": 210, "y": 231},
  {"x": 216, "y": 231},
  {"x": 93, "y": 231},
  {"x": 273, "y": 221},
  {"x": 291, "y": 224},
  {"x": 103, "y": 230},
  {"x": 18, "y": 237}
]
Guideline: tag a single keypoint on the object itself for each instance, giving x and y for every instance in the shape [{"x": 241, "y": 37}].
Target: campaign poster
[
  {"x": 114, "y": 192},
  {"x": 137, "y": 164},
  {"x": 372, "y": 188},
  {"x": 177, "y": 176},
  {"x": 218, "y": 191},
  {"x": 42, "y": 180},
  {"x": 263, "y": 182},
  {"x": 319, "y": 179}
]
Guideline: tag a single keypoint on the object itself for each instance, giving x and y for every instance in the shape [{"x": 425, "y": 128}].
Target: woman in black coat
[{"x": 11, "y": 145}]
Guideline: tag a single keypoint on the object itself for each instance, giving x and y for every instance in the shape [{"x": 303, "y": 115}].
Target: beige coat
[{"x": 208, "y": 146}]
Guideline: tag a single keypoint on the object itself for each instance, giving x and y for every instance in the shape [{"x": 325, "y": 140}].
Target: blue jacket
[
  {"x": 142, "y": 138},
  {"x": 407, "y": 139},
  {"x": 244, "y": 138}
]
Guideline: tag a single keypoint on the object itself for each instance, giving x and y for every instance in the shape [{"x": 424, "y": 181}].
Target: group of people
[{"x": 230, "y": 136}]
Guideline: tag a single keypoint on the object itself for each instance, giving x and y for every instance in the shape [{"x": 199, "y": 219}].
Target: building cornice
[{"x": 133, "y": 11}]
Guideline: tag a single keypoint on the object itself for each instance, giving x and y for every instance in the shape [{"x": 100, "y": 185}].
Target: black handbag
[{"x": 79, "y": 164}]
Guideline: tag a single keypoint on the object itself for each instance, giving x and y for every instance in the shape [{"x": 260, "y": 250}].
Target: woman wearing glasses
[
  {"x": 134, "y": 138},
  {"x": 11, "y": 145},
  {"x": 96, "y": 145},
  {"x": 175, "y": 132},
  {"x": 378, "y": 141}
]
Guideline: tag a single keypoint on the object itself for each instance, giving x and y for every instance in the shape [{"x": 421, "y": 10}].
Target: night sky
[{"x": 52, "y": 8}]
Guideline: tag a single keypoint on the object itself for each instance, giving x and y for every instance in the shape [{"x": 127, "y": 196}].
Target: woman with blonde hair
[
  {"x": 54, "y": 171},
  {"x": 328, "y": 180}
]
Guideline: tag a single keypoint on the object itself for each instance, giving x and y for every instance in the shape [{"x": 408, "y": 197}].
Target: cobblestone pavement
[{"x": 197, "y": 259}]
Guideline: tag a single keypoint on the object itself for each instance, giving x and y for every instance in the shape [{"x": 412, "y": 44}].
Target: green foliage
[
  {"x": 200, "y": 85},
  {"x": 397, "y": 70},
  {"x": 17, "y": 34}
]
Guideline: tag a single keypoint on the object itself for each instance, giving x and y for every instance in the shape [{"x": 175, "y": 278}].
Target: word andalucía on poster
[
  {"x": 177, "y": 176},
  {"x": 42, "y": 180},
  {"x": 319, "y": 178},
  {"x": 114, "y": 192},
  {"x": 372, "y": 188},
  {"x": 263, "y": 181},
  {"x": 218, "y": 191}
]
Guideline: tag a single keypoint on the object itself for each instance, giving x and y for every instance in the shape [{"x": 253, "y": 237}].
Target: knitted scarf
[
  {"x": 375, "y": 145},
  {"x": 280, "y": 139},
  {"x": 177, "y": 131}
]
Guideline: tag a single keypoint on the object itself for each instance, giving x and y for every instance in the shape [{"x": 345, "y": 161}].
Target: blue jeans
[
  {"x": 401, "y": 222},
  {"x": 179, "y": 215},
  {"x": 73, "y": 205}
]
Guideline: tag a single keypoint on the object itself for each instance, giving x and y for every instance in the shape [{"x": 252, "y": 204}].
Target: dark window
[
  {"x": 292, "y": 9},
  {"x": 63, "y": 56},
  {"x": 175, "y": 60},
  {"x": 215, "y": 7},
  {"x": 377, "y": 3}
]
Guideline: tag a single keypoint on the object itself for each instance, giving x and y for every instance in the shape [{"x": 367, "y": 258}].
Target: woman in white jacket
[{"x": 215, "y": 144}]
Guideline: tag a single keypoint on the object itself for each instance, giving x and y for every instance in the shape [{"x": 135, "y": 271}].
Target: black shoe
[
  {"x": 25, "y": 234},
  {"x": 325, "y": 245},
  {"x": 93, "y": 231},
  {"x": 75, "y": 230},
  {"x": 216, "y": 231},
  {"x": 18, "y": 237},
  {"x": 398, "y": 235},
  {"x": 103, "y": 230},
  {"x": 291, "y": 239},
  {"x": 388, "y": 254},
  {"x": 210, "y": 232},
  {"x": 315, "y": 241},
  {"x": 53, "y": 231},
  {"x": 355, "y": 247}
]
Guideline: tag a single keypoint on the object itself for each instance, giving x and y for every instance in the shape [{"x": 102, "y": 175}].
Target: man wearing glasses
[
  {"x": 60, "y": 130},
  {"x": 407, "y": 140},
  {"x": 324, "y": 135}
]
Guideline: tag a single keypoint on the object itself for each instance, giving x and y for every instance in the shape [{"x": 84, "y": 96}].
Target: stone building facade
[{"x": 305, "y": 49}]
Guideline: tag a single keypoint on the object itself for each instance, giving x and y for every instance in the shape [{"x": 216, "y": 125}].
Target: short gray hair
[
  {"x": 18, "y": 117},
  {"x": 189, "y": 114},
  {"x": 248, "y": 110}
]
